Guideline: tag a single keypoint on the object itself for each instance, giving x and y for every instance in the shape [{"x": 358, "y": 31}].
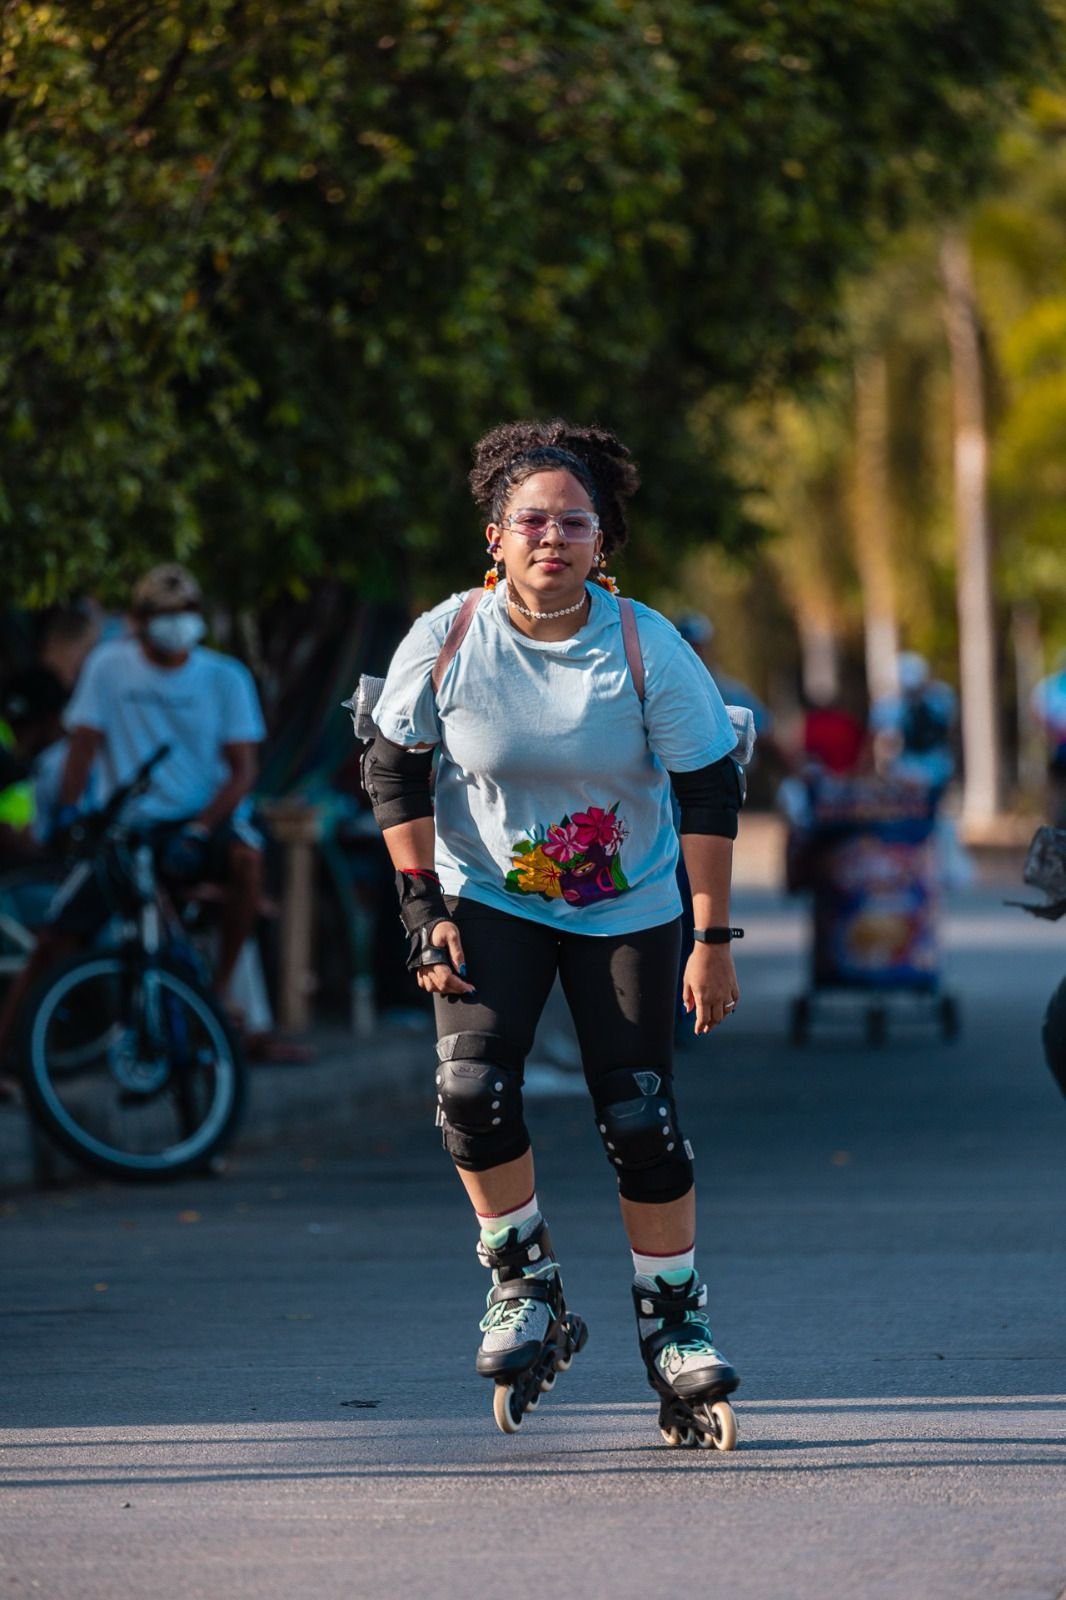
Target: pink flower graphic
[
  {"x": 562, "y": 843},
  {"x": 596, "y": 826}
]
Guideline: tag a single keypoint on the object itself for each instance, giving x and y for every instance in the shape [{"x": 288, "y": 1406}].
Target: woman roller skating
[{"x": 567, "y": 721}]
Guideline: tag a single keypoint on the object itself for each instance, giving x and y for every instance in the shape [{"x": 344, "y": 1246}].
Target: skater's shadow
[{"x": 653, "y": 1458}]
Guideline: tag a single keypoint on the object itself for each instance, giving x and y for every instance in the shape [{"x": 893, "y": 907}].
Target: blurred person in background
[
  {"x": 159, "y": 686},
  {"x": 31, "y": 726},
  {"x": 914, "y": 741},
  {"x": 913, "y": 730},
  {"x": 1048, "y": 705},
  {"x": 831, "y": 738},
  {"x": 697, "y": 630},
  {"x": 65, "y": 635}
]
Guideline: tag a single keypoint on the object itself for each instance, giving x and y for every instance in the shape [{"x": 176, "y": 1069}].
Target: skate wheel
[
  {"x": 547, "y": 1383},
  {"x": 687, "y": 1437},
  {"x": 724, "y": 1426},
  {"x": 503, "y": 1409},
  {"x": 562, "y": 1363},
  {"x": 671, "y": 1436}
]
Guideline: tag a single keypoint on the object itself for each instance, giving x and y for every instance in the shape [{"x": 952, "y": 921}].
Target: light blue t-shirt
[{"x": 552, "y": 798}]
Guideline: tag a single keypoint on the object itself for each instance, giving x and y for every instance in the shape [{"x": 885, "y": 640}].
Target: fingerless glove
[{"x": 421, "y": 907}]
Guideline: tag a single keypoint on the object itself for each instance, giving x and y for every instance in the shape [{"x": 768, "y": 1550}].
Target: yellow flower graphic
[{"x": 536, "y": 874}]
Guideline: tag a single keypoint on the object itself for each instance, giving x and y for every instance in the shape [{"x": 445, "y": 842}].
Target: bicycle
[{"x": 129, "y": 1062}]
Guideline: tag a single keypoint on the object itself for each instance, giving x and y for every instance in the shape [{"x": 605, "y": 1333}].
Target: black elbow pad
[
  {"x": 710, "y": 798},
  {"x": 396, "y": 781}
]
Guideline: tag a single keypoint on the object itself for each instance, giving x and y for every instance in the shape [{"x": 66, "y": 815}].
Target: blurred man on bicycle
[{"x": 161, "y": 686}]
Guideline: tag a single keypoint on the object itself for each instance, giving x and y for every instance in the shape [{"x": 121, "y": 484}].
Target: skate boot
[
  {"x": 688, "y": 1374},
  {"x": 529, "y": 1335}
]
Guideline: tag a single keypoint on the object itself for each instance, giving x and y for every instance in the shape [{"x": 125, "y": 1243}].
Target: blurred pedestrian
[
  {"x": 31, "y": 712},
  {"x": 832, "y": 738},
  {"x": 914, "y": 729},
  {"x": 1048, "y": 705},
  {"x": 548, "y": 846},
  {"x": 697, "y": 630}
]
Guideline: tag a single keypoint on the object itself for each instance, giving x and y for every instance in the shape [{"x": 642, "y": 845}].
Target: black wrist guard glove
[{"x": 421, "y": 907}]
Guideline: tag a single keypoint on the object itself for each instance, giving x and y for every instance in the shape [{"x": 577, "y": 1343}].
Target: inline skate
[
  {"x": 691, "y": 1377},
  {"x": 529, "y": 1336}
]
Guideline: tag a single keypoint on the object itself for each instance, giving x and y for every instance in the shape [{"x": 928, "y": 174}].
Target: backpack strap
[
  {"x": 455, "y": 636},
  {"x": 631, "y": 641},
  {"x": 465, "y": 615}
]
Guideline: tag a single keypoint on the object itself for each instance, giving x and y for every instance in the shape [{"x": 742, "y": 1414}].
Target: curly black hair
[{"x": 514, "y": 451}]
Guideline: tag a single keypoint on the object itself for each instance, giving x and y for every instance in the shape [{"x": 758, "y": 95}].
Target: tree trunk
[
  {"x": 872, "y": 524},
  {"x": 977, "y": 652},
  {"x": 819, "y": 655}
]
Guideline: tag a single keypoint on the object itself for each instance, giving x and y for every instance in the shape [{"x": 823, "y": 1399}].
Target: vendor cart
[{"x": 865, "y": 852}]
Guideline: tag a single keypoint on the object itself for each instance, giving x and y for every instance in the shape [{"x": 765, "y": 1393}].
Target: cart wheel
[
  {"x": 949, "y": 1017},
  {"x": 876, "y": 1025},
  {"x": 799, "y": 1020}
]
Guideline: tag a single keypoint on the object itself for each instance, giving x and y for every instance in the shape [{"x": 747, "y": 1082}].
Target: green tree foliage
[
  {"x": 1019, "y": 239},
  {"x": 267, "y": 268}
]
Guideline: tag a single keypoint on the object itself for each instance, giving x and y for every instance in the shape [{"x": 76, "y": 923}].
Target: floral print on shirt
[{"x": 577, "y": 860}]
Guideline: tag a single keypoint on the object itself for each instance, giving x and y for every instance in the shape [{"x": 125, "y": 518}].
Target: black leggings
[{"x": 621, "y": 994}]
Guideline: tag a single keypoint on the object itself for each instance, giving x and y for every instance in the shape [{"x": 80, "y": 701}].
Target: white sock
[
  {"x": 648, "y": 1266},
  {"x": 498, "y": 1221}
]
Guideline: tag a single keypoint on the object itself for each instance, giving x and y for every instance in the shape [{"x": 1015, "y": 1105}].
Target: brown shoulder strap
[
  {"x": 456, "y": 635},
  {"x": 631, "y": 641}
]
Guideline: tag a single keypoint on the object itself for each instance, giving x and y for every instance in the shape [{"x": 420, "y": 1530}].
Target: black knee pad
[
  {"x": 637, "y": 1119},
  {"x": 479, "y": 1101}
]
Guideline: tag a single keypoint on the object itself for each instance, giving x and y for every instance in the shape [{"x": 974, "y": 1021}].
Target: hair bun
[{"x": 507, "y": 455}]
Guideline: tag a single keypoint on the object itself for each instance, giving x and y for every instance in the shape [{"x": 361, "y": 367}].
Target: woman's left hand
[{"x": 710, "y": 985}]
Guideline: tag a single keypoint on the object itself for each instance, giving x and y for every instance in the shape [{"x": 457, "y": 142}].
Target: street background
[
  {"x": 267, "y": 272},
  {"x": 263, "y": 1383}
]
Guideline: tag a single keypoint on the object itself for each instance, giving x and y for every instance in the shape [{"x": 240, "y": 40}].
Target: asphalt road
[{"x": 262, "y": 1385}]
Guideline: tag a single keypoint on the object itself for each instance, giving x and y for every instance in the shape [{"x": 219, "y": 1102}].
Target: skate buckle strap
[
  {"x": 670, "y": 1304},
  {"x": 523, "y": 1289}
]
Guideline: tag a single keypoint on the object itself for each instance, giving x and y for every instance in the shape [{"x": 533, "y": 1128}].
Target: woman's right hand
[{"x": 441, "y": 979}]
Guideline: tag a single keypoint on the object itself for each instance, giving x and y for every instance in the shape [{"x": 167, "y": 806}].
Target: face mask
[{"x": 177, "y": 631}]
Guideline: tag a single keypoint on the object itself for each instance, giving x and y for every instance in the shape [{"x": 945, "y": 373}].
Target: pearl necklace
[{"x": 547, "y": 616}]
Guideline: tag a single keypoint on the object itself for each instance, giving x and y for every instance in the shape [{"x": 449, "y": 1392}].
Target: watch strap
[{"x": 717, "y": 935}]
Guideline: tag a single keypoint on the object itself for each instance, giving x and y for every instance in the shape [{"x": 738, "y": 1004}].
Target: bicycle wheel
[{"x": 131, "y": 1067}]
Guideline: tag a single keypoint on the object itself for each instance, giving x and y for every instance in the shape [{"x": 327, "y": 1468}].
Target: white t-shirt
[
  {"x": 552, "y": 797},
  {"x": 46, "y": 775},
  {"x": 197, "y": 708}
]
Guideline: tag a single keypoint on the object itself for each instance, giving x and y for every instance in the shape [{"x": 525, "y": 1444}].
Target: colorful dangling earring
[
  {"x": 603, "y": 577},
  {"x": 495, "y": 573}
]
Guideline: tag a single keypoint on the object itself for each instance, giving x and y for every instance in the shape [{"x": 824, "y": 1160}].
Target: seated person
[{"x": 160, "y": 686}]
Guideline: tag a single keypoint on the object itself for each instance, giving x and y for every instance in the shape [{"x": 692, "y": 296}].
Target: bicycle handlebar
[{"x": 97, "y": 824}]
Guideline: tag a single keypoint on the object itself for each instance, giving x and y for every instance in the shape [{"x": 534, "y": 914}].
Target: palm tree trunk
[
  {"x": 872, "y": 524},
  {"x": 977, "y": 650},
  {"x": 819, "y": 641}
]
